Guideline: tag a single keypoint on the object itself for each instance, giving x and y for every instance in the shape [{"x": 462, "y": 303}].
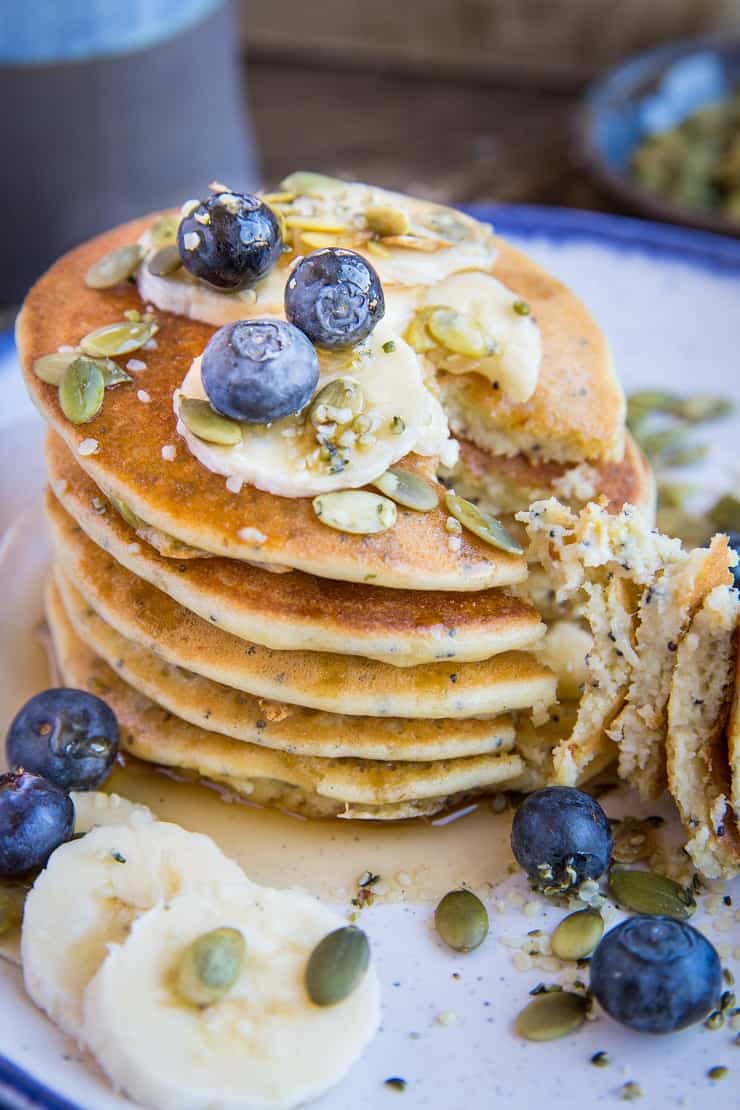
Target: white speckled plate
[{"x": 670, "y": 302}]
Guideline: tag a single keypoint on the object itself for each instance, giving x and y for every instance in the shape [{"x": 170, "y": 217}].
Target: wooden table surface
[{"x": 440, "y": 137}]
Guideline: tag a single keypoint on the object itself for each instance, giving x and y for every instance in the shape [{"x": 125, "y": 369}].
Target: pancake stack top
[{"x": 307, "y": 609}]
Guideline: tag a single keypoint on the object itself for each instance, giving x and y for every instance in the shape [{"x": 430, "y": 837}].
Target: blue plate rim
[{"x": 19, "y": 1090}]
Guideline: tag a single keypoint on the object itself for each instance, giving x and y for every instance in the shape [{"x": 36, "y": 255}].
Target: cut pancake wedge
[
  {"x": 315, "y": 787},
  {"x": 274, "y": 724},
  {"x": 334, "y": 683},
  {"x": 699, "y": 776},
  {"x": 298, "y": 611}
]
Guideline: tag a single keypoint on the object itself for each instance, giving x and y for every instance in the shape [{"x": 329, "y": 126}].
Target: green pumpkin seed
[
  {"x": 725, "y": 513},
  {"x": 163, "y": 231},
  {"x": 417, "y": 334},
  {"x": 482, "y": 525},
  {"x": 337, "y": 966},
  {"x": 11, "y": 910},
  {"x": 81, "y": 391},
  {"x": 385, "y": 220},
  {"x": 113, "y": 374},
  {"x": 207, "y": 424},
  {"x": 165, "y": 261},
  {"x": 552, "y": 1015},
  {"x": 458, "y": 333},
  {"x": 118, "y": 339},
  {"x": 114, "y": 267},
  {"x": 126, "y": 513},
  {"x": 51, "y": 368},
  {"x": 339, "y": 401},
  {"x": 461, "y": 920},
  {"x": 210, "y": 966},
  {"x": 306, "y": 184},
  {"x": 356, "y": 511},
  {"x": 577, "y": 935},
  {"x": 703, "y": 408},
  {"x": 646, "y": 892},
  {"x": 407, "y": 489}
]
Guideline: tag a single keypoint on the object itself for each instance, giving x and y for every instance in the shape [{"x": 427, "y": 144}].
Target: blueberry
[
  {"x": 259, "y": 370},
  {"x": 734, "y": 538},
  {"x": 561, "y": 836},
  {"x": 35, "y": 818},
  {"x": 335, "y": 297},
  {"x": 656, "y": 974},
  {"x": 68, "y": 736},
  {"x": 230, "y": 240}
]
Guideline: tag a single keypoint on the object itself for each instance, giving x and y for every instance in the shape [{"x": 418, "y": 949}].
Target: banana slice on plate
[
  {"x": 472, "y": 323},
  {"x": 264, "y": 1045},
  {"x": 380, "y": 410},
  {"x": 93, "y": 808},
  {"x": 91, "y": 891}
]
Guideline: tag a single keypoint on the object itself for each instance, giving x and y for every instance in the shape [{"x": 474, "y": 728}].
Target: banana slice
[
  {"x": 93, "y": 808},
  {"x": 472, "y": 323},
  {"x": 91, "y": 891},
  {"x": 262, "y": 1047},
  {"x": 336, "y": 445}
]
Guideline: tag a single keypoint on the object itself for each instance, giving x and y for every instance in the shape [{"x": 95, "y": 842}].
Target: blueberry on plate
[
  {"x": 656, "y": 974},
  {"x": 259, "y": 370},
  {"x": 561, "y": 836},
  {"x": 68, "y": 736},
  {"x": 335, "y": 297},
  {"x": 35, "y": 818},
  {"x": 230, "y": 240}
]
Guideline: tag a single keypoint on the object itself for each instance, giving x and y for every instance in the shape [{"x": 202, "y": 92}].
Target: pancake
[
  {"x": 337, "y": 684},
  {"x": 184, "y": 499},
  {"x": 502, "y": 484},
  {"x": 537, "y": 744},
  {"x": 302, "y": 612},
  {"x": 666, "y": 609},
  {"x": 697, "y": 741},
  {"x": 733, "y": 739},
  {"x": 316, "y": 787},
  {"x": 578, "y": 409},
  {"x": 275, "y": 724}
]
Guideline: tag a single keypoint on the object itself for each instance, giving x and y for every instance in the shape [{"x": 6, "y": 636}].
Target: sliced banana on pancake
[
  {"x": 264, "y": 1045},
  {"x": 94, "y": 808},
  {"x": 91, "y": 891},
  {"x": 372, "y": 408}
]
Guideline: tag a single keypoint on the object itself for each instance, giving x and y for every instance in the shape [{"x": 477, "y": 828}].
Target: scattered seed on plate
[
  {"x": 136, "y": 365},
  {"x": 168, "y": 452},
  {"x": 144, "y": 397},
  {"x": 88, "y": 447}
]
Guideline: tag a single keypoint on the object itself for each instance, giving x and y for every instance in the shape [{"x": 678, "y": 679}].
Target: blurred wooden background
[{"x": 461, "y": 100}]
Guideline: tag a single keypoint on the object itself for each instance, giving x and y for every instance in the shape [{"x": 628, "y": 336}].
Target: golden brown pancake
[
  {"x": 319, "y": 787},
  {"x": 503, "y": 484},
  {"x": 577, "y": 410},
  {"x": 182, "y": 497},
  {"x": 334, "y": 683},
  {"x": 299, "y": 611},
  {"x": 275, "y": 724}
]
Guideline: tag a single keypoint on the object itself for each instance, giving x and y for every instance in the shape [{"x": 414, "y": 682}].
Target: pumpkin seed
[
  {"x": 163, "y": 231},
  {"x": 646, "y": 892},
  {"x": 11, "y": 910},
  {"x": 207, "y": 424},
  {"x": 577, "y": 935},
  {"x": 50, "y": 368},
  {"x": 458, "y": 333},
  {"x": 703, "y": 408},
  {"x": 114, "y": 267},
  {"x": 210, "y": 966},
  {"x": 552, "y": 1015},
  {"x": 118, "y": 339},
  {"x": 337, "y": 966},
  {"x": 306, "y": 184},
  {"x": 81, "y": 391},
  {"x": 113, "y": 374},
  {"x": 417, "y": 333},
  {"x": 407, "y": 489},
  {"x": 356, "y": 511},
  {"x": 340, "y": 397},
  {"x": 725, "y": 513},
  {"x": 481, "y": 524},
  {"x": 165, "y": 261},
  {"x": 461, "y": 920},
  {"x": 127, "y": 513},
  {"x": 385, "y": 220}
]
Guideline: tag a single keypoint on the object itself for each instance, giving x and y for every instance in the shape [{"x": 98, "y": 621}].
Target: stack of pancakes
[{"x": 243, "y": 642}]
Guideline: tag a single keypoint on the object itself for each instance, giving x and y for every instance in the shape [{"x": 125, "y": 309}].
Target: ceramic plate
[{"x": 669, "y": 302}]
